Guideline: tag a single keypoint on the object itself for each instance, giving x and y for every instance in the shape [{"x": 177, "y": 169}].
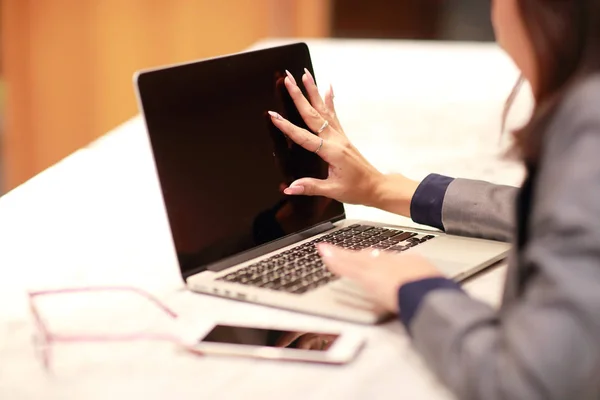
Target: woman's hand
[
  {"x": 380, "y": 273},
  {"x": 352, "y": 179}
]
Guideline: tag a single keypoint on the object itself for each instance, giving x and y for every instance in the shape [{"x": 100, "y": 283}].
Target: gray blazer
[{"x": 544, "y": 341}]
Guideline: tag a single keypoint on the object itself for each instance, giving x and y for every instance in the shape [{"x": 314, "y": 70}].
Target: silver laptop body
[{"x": 222, "y": 165}]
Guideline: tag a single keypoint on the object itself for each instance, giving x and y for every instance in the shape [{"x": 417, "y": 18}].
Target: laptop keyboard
[{"x": 300, "y": 269}]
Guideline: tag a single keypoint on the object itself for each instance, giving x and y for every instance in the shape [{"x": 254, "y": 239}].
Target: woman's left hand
[{"x": 380, "y": 273}]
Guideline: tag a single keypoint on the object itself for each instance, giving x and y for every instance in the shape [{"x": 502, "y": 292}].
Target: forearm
[
  {"x": 394, "y": 193},
  {"x": 457, "y": 206}
]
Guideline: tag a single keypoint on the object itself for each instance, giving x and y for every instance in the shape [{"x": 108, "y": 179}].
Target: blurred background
[{"x": 66, "y": 65}]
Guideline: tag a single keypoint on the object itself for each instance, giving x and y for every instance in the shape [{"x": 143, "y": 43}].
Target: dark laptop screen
[{"x": 221, "y": 163}]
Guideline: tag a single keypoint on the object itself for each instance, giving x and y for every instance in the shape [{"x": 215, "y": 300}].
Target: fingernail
[
  {"x": 274, "y": 115},
  {"x": 294, "y": 190},
  {"x": 291, "y": 77},
  {"x": 331, "y": 91},
  {"x": 310, "y": 77}
]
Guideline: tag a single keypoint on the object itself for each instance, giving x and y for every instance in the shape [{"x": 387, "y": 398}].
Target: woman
[{"x": 544, "y": 342}]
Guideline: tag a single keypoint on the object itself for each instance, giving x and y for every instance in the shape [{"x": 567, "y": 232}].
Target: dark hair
[{"x": 565, "y": 35}]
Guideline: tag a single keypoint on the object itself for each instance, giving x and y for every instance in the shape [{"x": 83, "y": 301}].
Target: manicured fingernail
[
  {"x": 331, "y": 91},
  {"x": 309, "y": 75},
  {"x": 291, "y": 77},
  {"x": 273, "y": 114},
  {"x": 294, "y": 190}
]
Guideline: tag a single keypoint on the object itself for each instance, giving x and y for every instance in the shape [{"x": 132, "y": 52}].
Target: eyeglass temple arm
[{"x": 140, "y": 292}]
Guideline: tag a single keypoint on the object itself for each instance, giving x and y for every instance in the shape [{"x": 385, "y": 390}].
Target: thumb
[{"x": 310, "y": 187}]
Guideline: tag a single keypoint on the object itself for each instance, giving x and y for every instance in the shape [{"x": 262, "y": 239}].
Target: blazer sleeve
[
  {"x": 466, "y": 207},
  {"x": 543, "y": 345}
]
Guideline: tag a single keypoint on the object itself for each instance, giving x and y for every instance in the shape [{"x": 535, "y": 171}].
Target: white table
[{"x": 97, "y": 218}]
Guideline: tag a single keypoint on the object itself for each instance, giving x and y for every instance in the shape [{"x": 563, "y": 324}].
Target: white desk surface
[{"x": 97, "y": 218}]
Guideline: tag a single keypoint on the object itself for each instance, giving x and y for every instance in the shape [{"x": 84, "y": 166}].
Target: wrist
[{"x": 394, "y": 193}]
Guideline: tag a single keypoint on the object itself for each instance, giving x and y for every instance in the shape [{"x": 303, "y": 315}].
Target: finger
[
  {"x": 289, "y": 74},
  {"x": 309, "y": 114},
  {"x": 301, "y": 136},
  {"x": 325, "y": 108},
  {"x": 331, "y": 114},
  {"x": 310, "y": 187},
  {"x": 313, "y": 92},
  {"x": 329, "y": 96}
]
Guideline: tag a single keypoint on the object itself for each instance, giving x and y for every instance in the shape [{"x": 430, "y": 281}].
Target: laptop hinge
[{"x": 264, "y": 249}]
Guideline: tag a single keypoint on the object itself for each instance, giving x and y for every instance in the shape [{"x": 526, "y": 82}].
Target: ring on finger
[
  {"x": 323, "y": 127},
  {"x": 320, "y": 145}
]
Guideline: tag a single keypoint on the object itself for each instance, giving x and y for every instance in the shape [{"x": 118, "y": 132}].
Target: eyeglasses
[{"x": 45, "y": 338}]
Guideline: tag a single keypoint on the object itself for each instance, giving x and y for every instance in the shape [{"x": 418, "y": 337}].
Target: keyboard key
[
  {"x": 403, "y": 236},
  {"x": 378, "y": 239},
  {"x": 380, "y": 246},
  {"x": 362, "y": 228},
  {"x": 398, "y": 248},
  {"x": 390, "y": 233}
]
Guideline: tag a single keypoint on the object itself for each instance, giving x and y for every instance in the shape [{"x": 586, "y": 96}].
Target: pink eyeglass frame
[{"x": 48, "y": 338}]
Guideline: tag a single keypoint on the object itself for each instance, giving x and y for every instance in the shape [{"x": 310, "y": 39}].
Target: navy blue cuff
[
  {"x": 410, "y": 295},
  {"x": 426, "y": 204}
]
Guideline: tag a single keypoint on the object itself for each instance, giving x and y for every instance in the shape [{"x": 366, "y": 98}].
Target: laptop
[{"x": 222, "y": 166}]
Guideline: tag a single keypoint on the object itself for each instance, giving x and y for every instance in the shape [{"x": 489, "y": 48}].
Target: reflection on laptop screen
[{"x": 221, "y": 163}]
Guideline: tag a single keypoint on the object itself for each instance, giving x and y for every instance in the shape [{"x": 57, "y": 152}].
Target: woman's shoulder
[
  {"x": 568, "y": 174},
  {"x": 581, "y": 102},
  {"x": 578, "y": 113}
]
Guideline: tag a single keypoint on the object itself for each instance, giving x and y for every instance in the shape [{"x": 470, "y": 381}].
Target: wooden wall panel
[
  {"x": 312, "y": 18},
  {"x": 17, "y": 136},
  {"x": 128, "y": 36},
  {"x": 61, "y": 82},
  {"x": 69, "y": 63},
  {"x": 386, "y": 19}
]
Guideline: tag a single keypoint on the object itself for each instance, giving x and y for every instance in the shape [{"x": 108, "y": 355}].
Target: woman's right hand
[{"x": 351, "y": 179}]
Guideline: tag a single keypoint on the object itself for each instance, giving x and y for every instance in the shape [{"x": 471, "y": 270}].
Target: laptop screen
[{"x": 221, "y": 163}]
